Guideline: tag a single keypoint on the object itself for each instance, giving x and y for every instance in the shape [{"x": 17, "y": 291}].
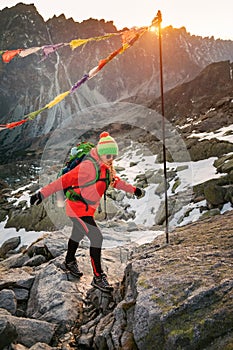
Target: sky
[{"x": 200, "y": 17}]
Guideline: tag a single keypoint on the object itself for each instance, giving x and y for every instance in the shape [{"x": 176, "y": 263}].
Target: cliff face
[
  {"x": 29, "y": 84},
  {"x": 199, "y": 95}
]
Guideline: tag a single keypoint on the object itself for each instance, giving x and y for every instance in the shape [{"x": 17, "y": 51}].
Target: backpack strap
[
  {"x": 97, "y": 174},
  {"x": 74, "y": 196}
]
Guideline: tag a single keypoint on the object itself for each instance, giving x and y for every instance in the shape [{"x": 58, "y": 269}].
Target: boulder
[
  {"x": 15, "y": 260},
  {"x": 8, "y": 333},
  {"x": 208, "y": 148},
  {"x": 229, "y": 194},
  {"x": 9, "y": 245},
  {"x": 29, "y": 331},
  {"x": 18, "y": 277},
  {"x": 227, "y": 166},
  {"x": 214, "y": 194},
  {"x": 35, "y": 261},
  {"x": 8, "y": 301},
  {"x": 52, "y": 297},
  {"x": 224, "y": 163}
]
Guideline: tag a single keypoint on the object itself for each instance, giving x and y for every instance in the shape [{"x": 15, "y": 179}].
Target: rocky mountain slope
[
  {"x": 199, "y": 127},
  {"x": 202, "y": 105},
  {"x": 38, "y": 82},
  {"x": 200, "y": 95},
  {"x": 199, "y": 107},
  {"x": 167, "y": 296}
]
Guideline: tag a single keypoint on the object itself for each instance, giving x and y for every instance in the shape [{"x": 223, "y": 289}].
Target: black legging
[{"x": 86, "y": 225}]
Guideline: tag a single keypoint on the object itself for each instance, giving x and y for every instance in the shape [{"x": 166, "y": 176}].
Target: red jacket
[{"x": 80, "y": 175}]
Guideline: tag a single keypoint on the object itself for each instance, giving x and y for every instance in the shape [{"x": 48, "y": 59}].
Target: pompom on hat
[{"x": 107, "y": 145}]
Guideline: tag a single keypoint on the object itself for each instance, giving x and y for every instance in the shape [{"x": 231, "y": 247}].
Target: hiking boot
[
  {"x": 104, "y": 279},
  {"x": 101, "y": 283},
  {"x": 72, "y": 267}
]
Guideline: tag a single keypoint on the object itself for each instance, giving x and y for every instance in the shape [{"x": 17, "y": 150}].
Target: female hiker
[{"x": 86, "y": 190}]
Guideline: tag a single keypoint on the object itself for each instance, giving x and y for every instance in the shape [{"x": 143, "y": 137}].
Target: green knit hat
[{"x": 107, "y": 145}]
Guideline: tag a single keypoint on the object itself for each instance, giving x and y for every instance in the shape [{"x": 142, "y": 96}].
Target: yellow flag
[
  {"x": 78, "y": 42},
  {"x": 57, "y": 99}
]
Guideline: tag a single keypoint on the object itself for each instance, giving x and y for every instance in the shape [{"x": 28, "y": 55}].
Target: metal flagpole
[{"x": 157, "y": 21}]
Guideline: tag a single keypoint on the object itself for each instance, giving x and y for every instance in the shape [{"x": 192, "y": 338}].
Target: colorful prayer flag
[
  {"x": 127, "y": 42},
  {"x": 57, "y": 99},
  {"x": 7, "y": 56}
]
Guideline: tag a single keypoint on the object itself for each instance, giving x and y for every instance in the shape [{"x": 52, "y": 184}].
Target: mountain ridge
[
  {"x": 200, "y": 94},
  {"x": 38, "y": 82}
]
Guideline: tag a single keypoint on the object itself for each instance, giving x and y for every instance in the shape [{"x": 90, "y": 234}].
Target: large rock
[
  {"x": 208, "y": 148},
  {"x": 9, "y": 245},
  {"x": 8, "y": 301},
  {"x": 8, "y": 332},
  {"x": 214, "y": 194},
  {"x": 217, "y": 192},
  {"x": 53, "y": 298},
  {"x": 32, "y": 219},
  {"x": 18, "y": 277},
  {"x": 224, "y": 164},
  {"x": 29, "y": 331}
]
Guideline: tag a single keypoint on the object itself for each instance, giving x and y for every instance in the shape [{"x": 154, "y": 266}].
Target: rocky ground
[{"x": 166, "y": 296}]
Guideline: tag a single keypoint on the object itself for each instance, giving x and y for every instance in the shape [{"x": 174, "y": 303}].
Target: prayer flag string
[
  {"x": 8, "y": 55},
  {"x": 128, "y": 40}
]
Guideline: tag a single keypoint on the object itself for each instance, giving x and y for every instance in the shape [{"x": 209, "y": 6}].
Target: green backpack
[{"x": 78, "y": 154}]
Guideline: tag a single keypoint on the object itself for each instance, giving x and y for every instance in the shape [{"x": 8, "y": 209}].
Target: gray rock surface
[
  {"x": 29, "y": 331},
  {"x": 9, "y": 245},
  {"x": 166, "y": 296},
  {"x": 8, "y": 300}
]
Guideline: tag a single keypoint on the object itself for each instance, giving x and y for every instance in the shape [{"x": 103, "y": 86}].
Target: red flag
[
  {"x": 14, "y": 124},
  {"x": 7, "y": 56},
  {"x": 109, "y": 58}
]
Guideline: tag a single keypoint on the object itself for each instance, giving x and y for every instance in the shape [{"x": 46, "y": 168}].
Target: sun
[{"x": 153, "y": 29}]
